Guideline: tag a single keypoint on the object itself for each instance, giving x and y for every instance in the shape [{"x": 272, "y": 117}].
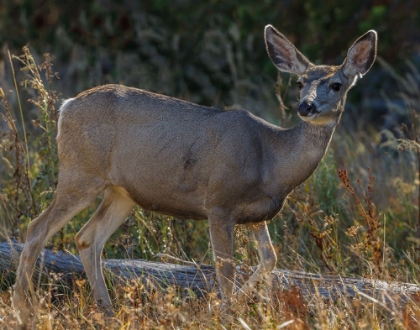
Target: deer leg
[
  {"x": 68, "y": 202},
  {"x": 267, "y": 256},
  {"x": 115, "y": 207},
  {"x": 221, "y": 235}
]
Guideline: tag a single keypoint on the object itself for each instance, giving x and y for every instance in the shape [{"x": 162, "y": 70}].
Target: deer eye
[
  {"x": 335, "y": 87},
  {"x": 299, "y": 85}
]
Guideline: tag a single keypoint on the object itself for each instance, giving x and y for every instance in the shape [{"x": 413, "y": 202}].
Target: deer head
[{"x": 322, "y": 88}]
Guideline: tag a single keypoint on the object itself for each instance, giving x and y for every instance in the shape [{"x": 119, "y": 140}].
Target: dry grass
[{"x": 136, "y": 309}]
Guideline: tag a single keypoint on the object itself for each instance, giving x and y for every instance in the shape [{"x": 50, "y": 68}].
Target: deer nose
[{"x": 305, "y": 108}]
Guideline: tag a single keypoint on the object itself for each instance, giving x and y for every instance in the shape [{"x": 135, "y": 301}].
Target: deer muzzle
[{"x": 306, "y": 108}]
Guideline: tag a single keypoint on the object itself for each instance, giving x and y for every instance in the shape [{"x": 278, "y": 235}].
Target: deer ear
[
  {"x": 361, "y": 55},
  {"x": 283, "y": 53}
]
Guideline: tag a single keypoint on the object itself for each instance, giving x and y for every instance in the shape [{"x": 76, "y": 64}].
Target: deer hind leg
[
  {"x": 267, "y": 256},
  {"x": 68, "y": 201},
  {"x": 115, "y": 207},
  {"x": 221, "y": 235}
]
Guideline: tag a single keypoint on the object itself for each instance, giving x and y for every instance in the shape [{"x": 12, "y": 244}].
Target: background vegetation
[{"x": 357, "y": 215}]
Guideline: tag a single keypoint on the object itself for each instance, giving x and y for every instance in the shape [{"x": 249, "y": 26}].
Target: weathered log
[{"x": 201, "y": 278}]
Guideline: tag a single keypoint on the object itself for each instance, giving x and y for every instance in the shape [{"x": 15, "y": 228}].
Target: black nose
[{"x": 305, "y": 108}]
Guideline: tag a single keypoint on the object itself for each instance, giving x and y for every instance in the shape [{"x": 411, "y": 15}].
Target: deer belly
[
  {"x": 177, "y": 204},
  {"x": 260, "y": 210}
]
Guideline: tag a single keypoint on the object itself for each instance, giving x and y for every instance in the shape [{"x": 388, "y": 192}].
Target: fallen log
[{"x": 201, "y": 278}]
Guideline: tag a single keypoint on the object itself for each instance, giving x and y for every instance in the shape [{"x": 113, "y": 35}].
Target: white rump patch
[{"x": 64, "y": 104}]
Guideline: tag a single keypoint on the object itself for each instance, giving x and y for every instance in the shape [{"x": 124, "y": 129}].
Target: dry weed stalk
[
  {"x": 22, "y": 191},
  {"x": 372, "y": 244},
  {"x": 45, "y": 102},
  {"x": 413, "y": 142},
  {"x": 33, "y": 172}
]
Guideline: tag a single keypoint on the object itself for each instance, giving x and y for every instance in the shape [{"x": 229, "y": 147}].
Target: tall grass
[{"x": 356, "y": 217}]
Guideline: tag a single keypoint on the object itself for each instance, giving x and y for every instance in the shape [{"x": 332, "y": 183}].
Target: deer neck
[{"x": 300, "y": 152}]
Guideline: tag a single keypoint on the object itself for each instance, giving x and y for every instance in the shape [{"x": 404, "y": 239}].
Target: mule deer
[{"x": 189, "y": 161}]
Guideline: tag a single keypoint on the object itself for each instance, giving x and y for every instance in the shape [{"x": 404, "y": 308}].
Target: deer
[{"x": 188, "y": 161}]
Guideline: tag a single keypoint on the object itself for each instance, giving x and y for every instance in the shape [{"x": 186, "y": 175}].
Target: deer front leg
[
  {"x": 221, "y": 235},
  {"x": 267, "y": 256}
]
